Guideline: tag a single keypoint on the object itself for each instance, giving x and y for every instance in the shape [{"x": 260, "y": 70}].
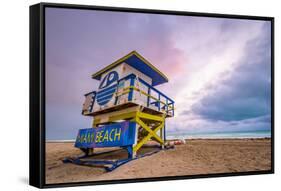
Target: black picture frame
[{"x": 37, "y": 93}]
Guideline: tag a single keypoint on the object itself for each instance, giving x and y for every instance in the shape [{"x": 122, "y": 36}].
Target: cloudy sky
[{"x": 218, "y": 69}]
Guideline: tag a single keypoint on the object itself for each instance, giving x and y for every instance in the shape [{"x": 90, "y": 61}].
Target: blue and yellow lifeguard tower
[{"x": 127, "y": 109}]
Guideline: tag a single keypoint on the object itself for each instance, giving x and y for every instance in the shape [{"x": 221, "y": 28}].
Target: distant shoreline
[
  {"x": 231, "y": 138},
  {"x": 204, "y": 136}
]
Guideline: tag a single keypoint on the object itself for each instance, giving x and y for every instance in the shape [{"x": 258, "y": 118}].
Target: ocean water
[
  {"x": 219, "y": 135},
  {"x": 209, "y": 135}
]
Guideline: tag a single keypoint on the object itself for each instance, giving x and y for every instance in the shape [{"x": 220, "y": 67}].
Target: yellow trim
[
  {"x": 123, "y": 59},
  {"x": 126, "y": 91},
  {"x": 120, "y": 93},
  {"x": 149, "y": 116},
  {"x": 149, "y": 64},
  {"x": 122, "y": 116},
  {"x": 143, "y": 92},
  {"x": 112, "y": 65},
  {"x": 115, "y": 117},
  {"x": 95, "y": 122}
]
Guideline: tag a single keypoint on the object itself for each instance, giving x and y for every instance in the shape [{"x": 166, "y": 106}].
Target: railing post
[
  {"x": 167, "y": 106},
  {"x": 132, "y": 83},
  {"x": 159, "y": 102},
  {"x": 116, "y": 96},
  {"x": 164, "y": 131},
  {"x": 173, "y": 110},
  {"x": 148, "y": 98}
]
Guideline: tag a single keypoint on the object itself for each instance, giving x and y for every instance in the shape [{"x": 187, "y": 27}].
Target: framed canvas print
[{"x": 128, "y": 95}]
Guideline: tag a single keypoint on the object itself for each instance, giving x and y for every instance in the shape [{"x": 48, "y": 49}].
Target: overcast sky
[{"x": 218, "y": 69}]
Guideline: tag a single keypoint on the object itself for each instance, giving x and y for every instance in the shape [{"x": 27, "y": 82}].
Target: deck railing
[{"x": 154, "y": 98}]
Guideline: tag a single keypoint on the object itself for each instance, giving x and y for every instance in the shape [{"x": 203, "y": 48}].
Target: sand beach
[{"x": 198, "y": 156}]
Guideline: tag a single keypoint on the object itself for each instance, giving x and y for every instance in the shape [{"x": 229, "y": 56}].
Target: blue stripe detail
[
  {"x": 105, "y": 95},
  {"x": 110, "y": 91},
  {"x": 105, "y": 98},
  {"x": 106, "y": 89},
  {"x": 104, "y": 102}
]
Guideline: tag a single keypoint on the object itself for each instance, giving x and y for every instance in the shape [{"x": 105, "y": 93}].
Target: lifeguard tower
[{"x": 127, "y": 109}]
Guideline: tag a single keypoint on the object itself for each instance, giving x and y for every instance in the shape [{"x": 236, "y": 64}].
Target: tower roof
[{"x": 138, "y": 62}]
